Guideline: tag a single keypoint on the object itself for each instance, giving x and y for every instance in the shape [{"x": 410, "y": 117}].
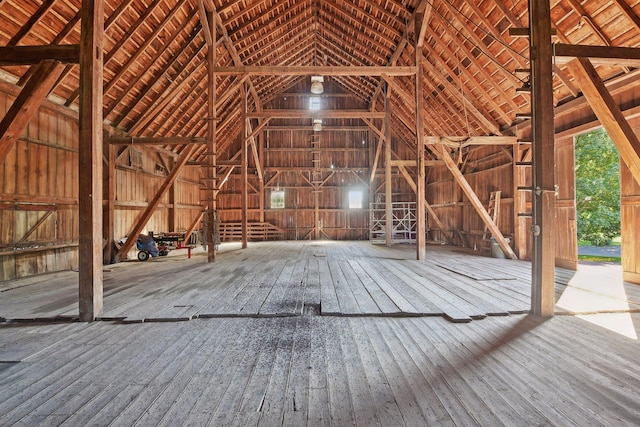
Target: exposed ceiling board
[{"x": 470, "y": 60}]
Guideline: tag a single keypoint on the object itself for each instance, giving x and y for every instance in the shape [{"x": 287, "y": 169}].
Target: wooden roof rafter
[
  {"x": 167, "y": 74},
  {"x": 159, "y": 29},
  {"x": 172, "y": 57},
  {"x": 469, "y": 83}
]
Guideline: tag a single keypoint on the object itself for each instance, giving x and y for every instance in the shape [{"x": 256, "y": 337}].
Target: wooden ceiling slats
[
  {"x": 376, "y": 9},
  {"x": 375, "y": 25},
  {"x": 174, "y": 111},
  {"x": 127, "y": 37},
  {"x": 58, "y": 40},
  {"x": 274, "y": 14},
  {"x": 454, "y": 100},
  {"x": 369, "y": 42},
  {"x": 163, "y": 74},
  {"x": 520, "y": 61},
  {"x": 470, "y": 34},
  {"x": 153, "y": 51},
  {"x": 474, "y": 83},
  {"x": 263, "y": 58},
  {"x": 33, "y": 20},
  {"x": 172, "y": 96},
  {"x": 156, "y": 60},
  {"x": 142, "y": 48}
]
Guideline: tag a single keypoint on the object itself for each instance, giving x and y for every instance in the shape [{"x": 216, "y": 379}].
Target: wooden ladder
[{"x": 494, "y": 212}]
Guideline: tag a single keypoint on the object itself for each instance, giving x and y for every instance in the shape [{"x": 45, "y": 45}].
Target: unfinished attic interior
[{"x": 361, "y": 212}]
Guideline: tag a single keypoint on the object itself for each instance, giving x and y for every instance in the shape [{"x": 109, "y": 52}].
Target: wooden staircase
[{"x": 232, "y": 231}]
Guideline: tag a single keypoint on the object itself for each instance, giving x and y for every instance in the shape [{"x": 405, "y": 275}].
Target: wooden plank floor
[
  {"x": 280, "y": 279},
  {"x": 312, "y": 370},
  {"x": 320, "y": 334}
]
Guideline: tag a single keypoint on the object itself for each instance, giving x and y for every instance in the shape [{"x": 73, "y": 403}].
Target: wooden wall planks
[{"x": 41, "y": 173}]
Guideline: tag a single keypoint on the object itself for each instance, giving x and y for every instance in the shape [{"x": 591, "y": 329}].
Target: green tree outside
[{"x": 597, "y": 187}]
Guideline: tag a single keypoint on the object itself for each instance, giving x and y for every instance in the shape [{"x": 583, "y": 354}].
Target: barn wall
[
  {"x": 39, "y": 200},
  {"x": 487, "y": 169},
  {"x": 629, "y": 219},
  {"x": 342, "y": 165},
  {"x": 140, "y": 172},
  {"x": 39, "y": 193}
]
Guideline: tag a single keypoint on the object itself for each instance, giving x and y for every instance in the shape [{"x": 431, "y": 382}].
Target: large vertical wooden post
[
  {"x": 243, "y": 167},
  {"x": 90, "y": 161},
  {"x": 109, "y": 196},
  {"x": 542, "y": 287},
  {"x": 388, "y": 189},
  {"x": 421, "y": 232},
  {"x": 172, "y": 211},
  {"x": 261, "y": 188},
  {"x": 212, "y": 182}
]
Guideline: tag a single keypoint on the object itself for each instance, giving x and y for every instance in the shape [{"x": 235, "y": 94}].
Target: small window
[
  {"x": 355, "y": 199},
  {"x": 277, "y": 199},
  {"x": 314, "y": 103}
]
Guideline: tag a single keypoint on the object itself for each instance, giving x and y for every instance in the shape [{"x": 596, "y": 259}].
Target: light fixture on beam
[
  {"x": 317, "y": 125},
  {"x": 316, "y": 85}
]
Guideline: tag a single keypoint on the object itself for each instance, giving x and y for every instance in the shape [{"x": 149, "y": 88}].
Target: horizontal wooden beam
[
  {"x": 455, "y": 141},
  {"x": 403, "y": 163},
  {"x": 132, "y": 140},
  {"x": 315, "y": 114},
  {"x": 599, "y": 55},
  {"x": 318, "y": 71},
  {"x": 324, "y": 128},
  {"x": 282, "y": 169},
  {"x": 31, "y": 55},
  {"x": 312, "y": 149}
]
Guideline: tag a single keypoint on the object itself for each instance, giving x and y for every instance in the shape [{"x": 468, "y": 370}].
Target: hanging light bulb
[{"x": 316, "y": 85}]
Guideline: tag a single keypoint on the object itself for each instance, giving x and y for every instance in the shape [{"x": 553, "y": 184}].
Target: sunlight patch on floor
[{"x": 599, "y": 288}]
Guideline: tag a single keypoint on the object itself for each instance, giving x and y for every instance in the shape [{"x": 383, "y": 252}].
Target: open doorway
[
  {"x": 597, "y": 291},
  {"x": 597, "y": 183}
]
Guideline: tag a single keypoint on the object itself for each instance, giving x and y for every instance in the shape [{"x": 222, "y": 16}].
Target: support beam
[
  {"x": 609, "y": 113},
  {"x": 31, "y": 55},
  {"x": 193, "y": 226},
  {"x": 388, "y": 189},
  {"x": 172, "y": 211},
  {"x": 244, "y": 159},
  {"x": 177, "y": 140},
  {"x": 315, "y": 114},
  {"x": 109, "y": 195},
  {"x": 292, "y": 70},
  {"x": 206, "y": 28},
  {"x": 155, "y": 201},
  {"x": 443, "y": 153},
  {"x": 544, "y": 201},
  {"x": 90, "y": 291},
  {"x": 376, "y": 158},
  {"x": 600, "y": 55},
  {"x": 461, "y": 142},
  {"x": 27, "y": 104},
  {"x": 421, "y": 232},
  {"x": 213, "y": 186}
]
